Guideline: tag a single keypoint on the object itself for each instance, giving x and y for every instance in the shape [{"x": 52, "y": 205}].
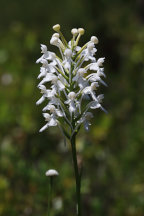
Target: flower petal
[{"x": 44, "y": 128}]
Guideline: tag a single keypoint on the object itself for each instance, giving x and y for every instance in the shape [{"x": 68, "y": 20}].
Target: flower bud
[
  {"x": 68, "y": 53},
  {"x": 71, "y": 95},
  {"x": 81, "y": 31},
  {"x": 94, "y": 39},
  {"x": 74, "y": 31},
  {"x": 56, "y": 35},
  {"x": 54, "y": 41},
  {"x": 51, "y": 172},
  {"x": 56, "y": 27}
]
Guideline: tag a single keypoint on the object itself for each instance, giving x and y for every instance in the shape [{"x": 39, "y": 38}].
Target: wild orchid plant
[{"x": 74, "y": 78}]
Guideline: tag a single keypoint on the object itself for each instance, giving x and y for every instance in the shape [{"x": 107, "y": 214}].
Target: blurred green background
[{"x": 113, "y": 150}]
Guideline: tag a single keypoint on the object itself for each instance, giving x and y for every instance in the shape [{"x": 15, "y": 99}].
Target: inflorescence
[{"x": 69, "y": 83}]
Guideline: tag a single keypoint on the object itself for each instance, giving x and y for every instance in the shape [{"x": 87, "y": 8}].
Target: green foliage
[{"x": 112, "y": 152}]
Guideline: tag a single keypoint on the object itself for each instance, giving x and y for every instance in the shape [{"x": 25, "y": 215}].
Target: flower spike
[{"x": 74, "y": 78}]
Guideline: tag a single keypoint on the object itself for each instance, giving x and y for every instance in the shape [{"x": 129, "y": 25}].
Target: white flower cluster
[{"x": 69, "y": 82}]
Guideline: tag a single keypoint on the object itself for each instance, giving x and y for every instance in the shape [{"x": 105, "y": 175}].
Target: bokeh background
[{"x": 113, "y": 150}]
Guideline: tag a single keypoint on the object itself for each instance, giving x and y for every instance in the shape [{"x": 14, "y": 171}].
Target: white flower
[
  {"x": 100, "y": 61},
  {"x": 48, "y": 77},
  {"x": 53, "y": 101},
  {"x": 86, "y": 120},
  {"x": 69, "y": 80},
  {"x": 67, "y": 61},
  {"x": 89, "y": 52},
  {"x": 51, "y": 118},
  {"x": 95, "y": 66},
  {"x": 96, "y": 104},
  {"x": 46, "y": 54},
  {"x": 43, "y": 72},
  {"x": 79, "y": 78},
  {"x": 44, "y": 92},
  {"x": 51, "y": 172},
  {"x": 95, "y": 77},
  {"x": 54, "y": 41},
  {"x": 91, "y": 90},
  {"x": 71, "y": 102},
  {"x": 54, "y": 111},
  {"x": 68, "y": 53}
]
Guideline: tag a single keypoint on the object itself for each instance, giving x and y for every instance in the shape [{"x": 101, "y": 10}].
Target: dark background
[{"x": 113, "y": 150}]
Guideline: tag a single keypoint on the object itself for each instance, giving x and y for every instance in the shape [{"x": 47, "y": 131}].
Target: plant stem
[
  {"x": 50, "y": 196},
  {"x": 77, "y": 174}
]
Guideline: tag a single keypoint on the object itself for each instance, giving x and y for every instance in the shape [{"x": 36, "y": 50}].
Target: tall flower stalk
[
  {"x": 51, "y": 174},
  {"x": 69, "y": 84}
]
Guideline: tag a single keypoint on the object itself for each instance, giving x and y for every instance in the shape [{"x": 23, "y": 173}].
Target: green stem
[
  {"x": 50, "y": 196},
  {"x": 77, "y": 174}
]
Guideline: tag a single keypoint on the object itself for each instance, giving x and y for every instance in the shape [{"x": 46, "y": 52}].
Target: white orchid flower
[
  {"x": 86, "y": 120},
  {"x": 52, "y": 121},
  {"x": 71, "y": 102},
  {"x": 79, "y": 78},
  {"x": 90, "y": 90}
]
